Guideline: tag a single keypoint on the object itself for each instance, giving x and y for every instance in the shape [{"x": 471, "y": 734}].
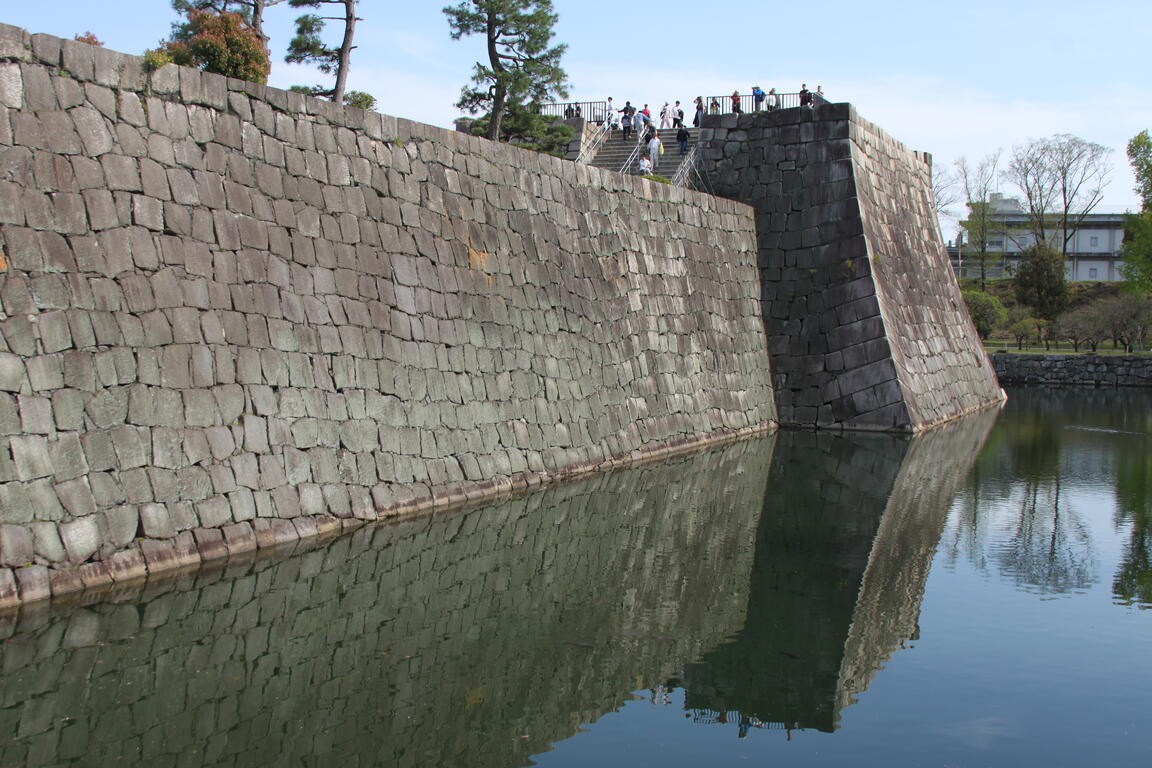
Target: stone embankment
[
  {"x": 233, "y": 316},
  {"x": 1074, "y": 370},
  {"x": 866, "y": 324}
]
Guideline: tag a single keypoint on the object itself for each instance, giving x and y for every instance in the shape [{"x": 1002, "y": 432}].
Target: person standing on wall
[
  {"x": 805, "y": 95},
  {"x": 757, "y": 98},
  {"x": 736, "y": 102},
  {"x": 773, "y": 101},
  {"x": 698, "y": 118}
]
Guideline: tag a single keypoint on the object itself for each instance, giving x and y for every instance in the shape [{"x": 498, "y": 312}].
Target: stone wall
[
  {"x": 1074, "y": 370},
  {"x": 233, "y": 315},
  {"x": 472, "y": 639},
  {"x": 866, "y": 324}
]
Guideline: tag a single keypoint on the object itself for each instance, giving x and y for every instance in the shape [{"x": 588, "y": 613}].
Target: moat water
[{"x": 977, "y": 596}]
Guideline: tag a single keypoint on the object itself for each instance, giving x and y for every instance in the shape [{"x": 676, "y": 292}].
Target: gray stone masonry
[
  {"x": 1084, "y": 370},
  {"x": 440, "y": 640},
  {"x": 867, "y": 329},
  {"x": 231, "y": 316}
]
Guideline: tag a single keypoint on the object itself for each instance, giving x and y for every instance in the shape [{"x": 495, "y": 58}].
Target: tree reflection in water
[{"x": 1054, "y": 452}]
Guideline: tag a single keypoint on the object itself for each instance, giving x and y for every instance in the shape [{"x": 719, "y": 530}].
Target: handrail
[
  {"x": 592, "y": 146},
  {"x": 597, "y": 110},
  {"x": 636, "y": 152},
  {"x": 687, "y": 165}
]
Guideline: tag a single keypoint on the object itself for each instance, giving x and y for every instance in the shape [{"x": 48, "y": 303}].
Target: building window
[
  {"x": 1092, "y": 270},
  {"x": 1095, "y": 241},
  {"x": 996, "y": 243}
]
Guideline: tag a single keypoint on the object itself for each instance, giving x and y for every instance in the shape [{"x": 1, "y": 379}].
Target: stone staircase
[{"x": 614, "y": 151}]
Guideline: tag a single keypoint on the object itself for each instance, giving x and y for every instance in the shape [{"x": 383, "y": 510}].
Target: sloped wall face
[
  {"x": 231, "y": 314},
  {"x": 941, "y": 364},
  {"x": 865, "y": 323}
]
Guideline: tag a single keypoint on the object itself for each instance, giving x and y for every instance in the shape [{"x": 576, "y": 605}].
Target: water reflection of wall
[
  {"x": 473, "y": 638},
  {"x": 843, "y": 549}
]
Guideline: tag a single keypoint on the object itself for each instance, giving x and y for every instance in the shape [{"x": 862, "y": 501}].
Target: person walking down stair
[
  {"x": 682, "y": 137},
  {"x": 655, "y": 149}
]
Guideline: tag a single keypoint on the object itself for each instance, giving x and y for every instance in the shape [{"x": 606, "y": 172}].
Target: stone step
[{"x": 615, "y": 150}]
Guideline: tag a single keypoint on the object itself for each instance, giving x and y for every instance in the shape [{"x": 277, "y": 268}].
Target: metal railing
[
  {"x": 592, "y": 146},
  {"x": 636, "y": 152},
  {"x": 687, "y": 166},
  {"x": 597, "y": 111}
]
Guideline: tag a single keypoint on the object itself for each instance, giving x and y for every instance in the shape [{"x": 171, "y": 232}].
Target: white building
[{"x": 1094, "y": 252}]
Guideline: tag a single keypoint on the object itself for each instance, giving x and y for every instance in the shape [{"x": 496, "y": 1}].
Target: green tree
[
  {"x": 1140, "y": 158},
  {"x": 526, "y": 127},
  {"x": 307, "y": 47},
  {"x": 252, "y": 11},
  {"x": 1040, "y": 281},
  {"x": 1024, "y": 329},
  {"x": 523, "y": 69},
  {"x": 1137, "y": 267},
  {"x": 222, "y": 43},
  {"x": 986, "y": 311}
]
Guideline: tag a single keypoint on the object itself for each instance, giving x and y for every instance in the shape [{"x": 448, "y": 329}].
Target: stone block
[
  {"x": 69, "y": 460},
  {"x": 11, "y": 86},
  {"x": 46, "y": 542},
  {"x": 33, "y": 583},
  {"x": 15, "y": 545},
  {"x": 30, "y": 453},
  {"x": 9, "y": 591},
  {"x": 95, "y": 138},
  {"x": 81, "y": 538},
  {"x": 121, "y": 524},
  {"x": 76, "y": 497},
  {"x": 214, "y": 512},
  {"x": 156, "y": 522},
  {"x": 127, "y": 565},
  {"x": 210, "y": 543},
  {"x": 12, "y": 372},
  {"x": 36, "y": 415},
  {"x": 239, "y": 538}
]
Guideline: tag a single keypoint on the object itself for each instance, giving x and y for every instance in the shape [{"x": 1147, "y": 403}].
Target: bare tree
[
  {"x": 1062, "y": 179},
  {"x": 945, "y": 190},
  {"x": 977, "y": 184}
]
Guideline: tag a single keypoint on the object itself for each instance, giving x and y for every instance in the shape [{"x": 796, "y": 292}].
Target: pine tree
[{"x": 522, "y": 69}]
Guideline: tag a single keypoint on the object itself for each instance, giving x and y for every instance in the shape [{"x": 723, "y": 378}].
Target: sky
[{"x": 953, "y": 79}]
